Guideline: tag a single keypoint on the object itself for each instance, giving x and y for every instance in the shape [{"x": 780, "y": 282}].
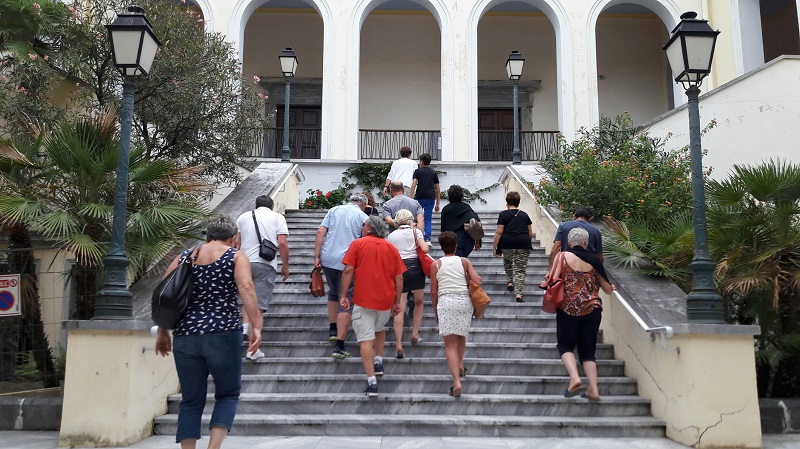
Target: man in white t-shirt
[
  {"x": 402, "y": 170},
  {"x": 271, "y": 226}
]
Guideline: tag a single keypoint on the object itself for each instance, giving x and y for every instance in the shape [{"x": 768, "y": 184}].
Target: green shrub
[
  {"x": 618, "y": 170},
  {"x": 318, "y": 200}
]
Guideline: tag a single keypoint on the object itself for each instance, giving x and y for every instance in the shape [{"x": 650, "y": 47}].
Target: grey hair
[
  {"x": 404, "y": 217},
  {"x": 578, "y": 237},
  {"x": 358, "y": 198},
  {"x": 220, "y": 227},
  {"x": 378, "y": 227}
]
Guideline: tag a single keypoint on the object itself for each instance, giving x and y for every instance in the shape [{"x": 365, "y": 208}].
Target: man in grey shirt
[{"x": 400, "y": 201}]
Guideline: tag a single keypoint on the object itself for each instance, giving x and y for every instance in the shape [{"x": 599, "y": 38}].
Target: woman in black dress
[
  {"x": 454, "y": 216},
  {"x": 512, "y": 240}
]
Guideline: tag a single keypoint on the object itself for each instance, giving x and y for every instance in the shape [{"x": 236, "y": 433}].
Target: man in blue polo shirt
[
  {"x": 341, "y": 225},
  {"x": 582, "y": 217}
]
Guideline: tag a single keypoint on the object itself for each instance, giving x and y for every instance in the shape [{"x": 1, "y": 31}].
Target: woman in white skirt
[{"x": 452, "y": 305}]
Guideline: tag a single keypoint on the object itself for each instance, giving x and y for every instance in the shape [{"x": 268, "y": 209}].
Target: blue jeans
[
  {"x": 427, "y": 207},
  {"x": 465, "y": 244},
  {"x": 197, "y": 356}
]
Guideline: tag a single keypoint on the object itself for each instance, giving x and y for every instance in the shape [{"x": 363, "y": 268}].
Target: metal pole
[
  {"x": 703, "y": 304},
  {"x": 516, "y": 154},
  {"x": 114, "y": 301},
  {"x": 285, "y": 152}
]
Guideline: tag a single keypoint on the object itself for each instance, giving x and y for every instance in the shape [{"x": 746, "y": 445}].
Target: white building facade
[{"x": 436, "y": 68}]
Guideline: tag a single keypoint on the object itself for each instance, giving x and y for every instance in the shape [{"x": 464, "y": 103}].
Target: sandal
[
  {"x": 400, "y": 354},
  {"x": 510, "y": 287},
  {"x": 455, "y": 392},
  {"x": 462, "y": 373},
  {"x": 415, "y": 340},
  {"x": 519, "y": 298}
]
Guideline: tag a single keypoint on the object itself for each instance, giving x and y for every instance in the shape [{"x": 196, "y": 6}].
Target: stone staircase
[{"x": 513, "y": 388}]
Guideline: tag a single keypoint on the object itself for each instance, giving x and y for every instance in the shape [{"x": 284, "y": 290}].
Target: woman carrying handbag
[{"x": 578, "y": 318}]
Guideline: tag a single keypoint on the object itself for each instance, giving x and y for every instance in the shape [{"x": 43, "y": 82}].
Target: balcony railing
[
  {"x": 498, "y": 145},
  {"x": 385, "y": 144},
  {"x": 304, "y": 143}
]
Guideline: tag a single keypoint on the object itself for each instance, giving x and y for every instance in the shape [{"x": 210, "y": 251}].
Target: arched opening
[
  {"x": 399, "y": 84},
  {"x": 779, "y": 28},
  {"x": 523, "y": 27},
  {"x": 633, "y": 74},
  {"x": 273, "y": 26}
]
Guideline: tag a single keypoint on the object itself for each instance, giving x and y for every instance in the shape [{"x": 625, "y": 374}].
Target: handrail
[{"x": 665, "y": 331}]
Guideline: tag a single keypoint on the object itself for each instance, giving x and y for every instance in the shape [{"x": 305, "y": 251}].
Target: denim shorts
[
  {"x": 197, "y": 356},
  {"x": 334, "y": 278}
]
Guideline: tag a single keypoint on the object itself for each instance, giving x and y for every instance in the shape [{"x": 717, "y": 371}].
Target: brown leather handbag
[{"x": 317, "y": 284}]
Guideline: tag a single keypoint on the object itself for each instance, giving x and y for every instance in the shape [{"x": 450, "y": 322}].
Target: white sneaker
[{"x": 255, "y": 355}]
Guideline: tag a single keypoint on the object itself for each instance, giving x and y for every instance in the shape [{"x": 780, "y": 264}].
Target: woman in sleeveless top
[
  {"x": 452, "y": 305},
  {"x": 578, "y": 320},
  {"x": 208, "y": 339},
  {"x": 406, "y": 239}
]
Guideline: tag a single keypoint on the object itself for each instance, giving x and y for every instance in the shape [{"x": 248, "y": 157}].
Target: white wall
[
  {"x": 756, "y": 118},
  {"x": 400, "y": 84},
  {"x": 633, "y": 67}
]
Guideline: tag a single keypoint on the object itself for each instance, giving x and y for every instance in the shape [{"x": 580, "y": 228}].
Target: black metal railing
[
  {"x": 498, "y": 145},
  {"x": 386, "y": 143},
  {"x": 304, "y": 143}
]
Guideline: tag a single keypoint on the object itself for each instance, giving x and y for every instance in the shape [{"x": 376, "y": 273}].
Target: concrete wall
[
  {"x": 114, "y": 385},
  {"x": 706, "y": 392},
  {"x": 753, "y": 115}
]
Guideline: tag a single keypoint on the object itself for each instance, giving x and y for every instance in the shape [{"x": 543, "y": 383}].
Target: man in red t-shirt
[{"x": 378, "y": 270}]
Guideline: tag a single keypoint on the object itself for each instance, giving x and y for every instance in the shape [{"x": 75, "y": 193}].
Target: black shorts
[
  {"x": 580, "y": 331},
  {"x": 413, "y": 278}
]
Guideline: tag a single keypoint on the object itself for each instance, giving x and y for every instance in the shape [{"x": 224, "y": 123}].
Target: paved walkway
[{"x": 49, "y": 440}]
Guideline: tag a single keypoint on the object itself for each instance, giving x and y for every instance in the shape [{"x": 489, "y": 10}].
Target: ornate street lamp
[
  {"x": 690, "y": 51},
  {"x": 514, "y": 68},
  {"x": 133, "y": 47},
  {"x": 288, "y": 67}
]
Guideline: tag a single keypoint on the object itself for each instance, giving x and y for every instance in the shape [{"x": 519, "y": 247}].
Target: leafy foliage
[
  {"x": 194, "y": 107},
  {"x": 61, "y": 187},
  {"x": 318, "y": 200},
  {"x": 618, "y": 170},
  {"x": 754, "y": 238}
]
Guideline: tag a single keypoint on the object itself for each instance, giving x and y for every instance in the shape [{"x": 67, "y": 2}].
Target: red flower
[
  {"x": 308, "y": 203},
  {"x": 328, "y": 195}
]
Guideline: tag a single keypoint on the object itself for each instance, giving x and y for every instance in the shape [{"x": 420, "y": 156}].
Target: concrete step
[
  {"x": 433, "y": 425},
  {"x": 428, "y": 348},
  {"x": 430, "y": 404},
  {"x": 414, "y": 365},
  {"x": 316, "y": 322},
  {"x": 423, "y": 384}
]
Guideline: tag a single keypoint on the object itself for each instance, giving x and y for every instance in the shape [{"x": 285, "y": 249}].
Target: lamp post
[
  {"x": 514, "y": 69},
  {"x": 133, "y": 47},
  {"x": 690, "y": 51},
  {"x": 288, "y": 67}
]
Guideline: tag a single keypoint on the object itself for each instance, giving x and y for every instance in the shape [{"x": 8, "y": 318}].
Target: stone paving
[{"x": 49, "y": 440}]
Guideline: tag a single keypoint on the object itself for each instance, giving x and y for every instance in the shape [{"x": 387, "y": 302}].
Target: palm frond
[
  {"x": 55, "y": 225},
  {"x": 86, "y": 250},
  {"x": 95, "y": 211}
]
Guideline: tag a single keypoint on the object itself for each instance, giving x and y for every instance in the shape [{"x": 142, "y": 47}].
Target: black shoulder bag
[
  {"x": 266, "y": 249},
  {"x": 172, "y": 295}
]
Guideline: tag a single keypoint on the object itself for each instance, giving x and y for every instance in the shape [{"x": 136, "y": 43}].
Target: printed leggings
[{"x": 514, "y": 262}]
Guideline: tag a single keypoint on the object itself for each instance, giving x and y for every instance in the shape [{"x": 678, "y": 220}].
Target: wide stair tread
[{"x": 514, "y": 386}]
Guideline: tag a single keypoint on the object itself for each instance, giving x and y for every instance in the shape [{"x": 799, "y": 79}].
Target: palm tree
[
  {"x": 70, "y": 203},
  {"x": 754, "y": 238},
  {"x": 754, "y": 235}
]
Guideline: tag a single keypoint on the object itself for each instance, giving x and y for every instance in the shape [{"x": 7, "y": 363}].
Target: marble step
[
  {"x": 295, "y": 322},
  {"x": 429, "y": 404},
  {"x": 300, "y": 383},
  {"x": 412, "y": 364},
  {"x": 503, "y": 303},
  {"x": 432, "y": 425},
  {"x": 429, "y": 334},
  {"x": 429, "y": 348}
]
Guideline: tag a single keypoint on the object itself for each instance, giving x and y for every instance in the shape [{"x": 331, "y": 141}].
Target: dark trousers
[{"x": 580, "y": 331}]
